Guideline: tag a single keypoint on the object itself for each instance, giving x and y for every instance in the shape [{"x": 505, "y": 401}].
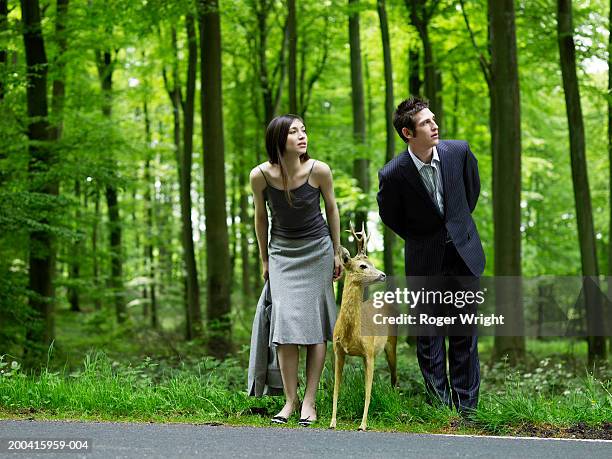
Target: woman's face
[{"x": 297, "y": 140}]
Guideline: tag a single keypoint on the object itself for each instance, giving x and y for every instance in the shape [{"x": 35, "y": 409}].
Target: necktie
[{"x": 429, "y": 176}]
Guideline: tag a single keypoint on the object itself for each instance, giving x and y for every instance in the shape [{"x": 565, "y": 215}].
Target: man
[{"x": 426, "y": 196}]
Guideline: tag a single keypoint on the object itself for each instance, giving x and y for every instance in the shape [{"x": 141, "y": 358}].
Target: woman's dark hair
[{"x": 276, "y": 142}]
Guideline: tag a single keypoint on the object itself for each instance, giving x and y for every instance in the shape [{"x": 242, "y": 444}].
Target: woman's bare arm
[
  {"x": 326, "y": 183},
  {"x": 258, "y": 184}
]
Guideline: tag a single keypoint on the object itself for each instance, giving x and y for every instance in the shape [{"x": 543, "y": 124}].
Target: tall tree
[
  {"x": 193, "y": 288},
  {"x": 59, "y": 64},
  {"x": 506, "y": 143},
  {"x": 106, "y": 64},
  {"x": 292, "y": 33},
  {"x": 217, "y": 247},
  {"x": 609, "y": 103},
  {"x": 184, "y": 158},
  {"x": 149, "y": 308},
  {"x": 40, "y": 330},
  {"x": 270, "y": 82},
  {"x": 361, "y": 164},
  {"x": 421, "y": 13},
  {"x": 243, "y": 158},
  {"x": 57, "y": 110},
  {"x": 582, "y": 194},
  {"x": 500, "y": 72},
  {"x": 414, "y": 79},
  {"x": 3, "y": 52},
  {"x": 308, "y": 78},
  {"x": 94, "y": 249},
  {"x": 390, "y": 131}
]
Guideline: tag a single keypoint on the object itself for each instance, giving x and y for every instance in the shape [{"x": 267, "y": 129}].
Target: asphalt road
[{"x": 119, "y": 440}]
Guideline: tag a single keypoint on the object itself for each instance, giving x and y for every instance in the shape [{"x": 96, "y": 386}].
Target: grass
[
  {"x": 155, "y": 376},
  {"x": 545, "y": 394}
]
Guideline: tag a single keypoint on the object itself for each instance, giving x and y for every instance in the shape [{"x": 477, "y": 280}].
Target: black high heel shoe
[
  {"x": 306, "y": 422},
  {"x": 283, "y": 420},
  {"x": 278, "y": 420}
]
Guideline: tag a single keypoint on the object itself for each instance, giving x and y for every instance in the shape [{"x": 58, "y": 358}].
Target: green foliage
[
  {"x": 96, "y": 152},
  {"x": 213, "y": 391}
]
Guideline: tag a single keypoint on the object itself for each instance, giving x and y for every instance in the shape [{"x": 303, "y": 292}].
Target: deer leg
[
  {"x": 369, "y": 376},
  {"x": 391, "y": 355},
  {"x": 338, "y": 367}
]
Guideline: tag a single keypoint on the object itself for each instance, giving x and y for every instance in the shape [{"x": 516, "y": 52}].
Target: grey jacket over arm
[{"x": 264, "y": 376}]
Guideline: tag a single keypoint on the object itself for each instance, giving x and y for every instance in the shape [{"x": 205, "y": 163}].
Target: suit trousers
[{"x": 463, "y": 362}]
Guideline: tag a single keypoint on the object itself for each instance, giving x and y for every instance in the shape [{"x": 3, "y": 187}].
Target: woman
[{"x": 301, "y": 259}]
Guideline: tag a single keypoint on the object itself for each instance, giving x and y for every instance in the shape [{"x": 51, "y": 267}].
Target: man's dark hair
[{"x": 404, "y": 113}]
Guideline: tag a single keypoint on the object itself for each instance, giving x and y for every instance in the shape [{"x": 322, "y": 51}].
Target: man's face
[{"x": 425, "y": 133}]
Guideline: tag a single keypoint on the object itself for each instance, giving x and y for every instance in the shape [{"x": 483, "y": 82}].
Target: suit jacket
[
  {"x": 406, "y": 207},
  {"x": 264, "y": 376}
]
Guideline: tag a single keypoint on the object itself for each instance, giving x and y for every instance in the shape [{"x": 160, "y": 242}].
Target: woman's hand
[
  {"x": 265, "y": 273},
  {"x": 338, "y": 268}
]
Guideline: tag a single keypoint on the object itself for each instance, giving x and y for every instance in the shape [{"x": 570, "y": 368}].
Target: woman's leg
[
  {"x": 315, "y": 360},
  {"x": 288, "y": 358}
]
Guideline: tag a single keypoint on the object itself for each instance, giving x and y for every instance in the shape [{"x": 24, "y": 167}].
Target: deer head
[{"x": 359, "y": 268}]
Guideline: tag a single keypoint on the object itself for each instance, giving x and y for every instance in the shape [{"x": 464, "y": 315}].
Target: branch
[
  {"x": 281, "y": 55},
  {"x": 282, "y": 65},
  {"x": 318, "y": 70},
  {"x": 429, "y": 13},
  {"x": 484, "y": 64}
]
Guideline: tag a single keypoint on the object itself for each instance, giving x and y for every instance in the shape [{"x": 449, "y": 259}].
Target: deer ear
[{"x": 344, "y": 255}]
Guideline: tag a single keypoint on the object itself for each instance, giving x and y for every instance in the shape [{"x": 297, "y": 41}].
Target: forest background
[{"x": 128, "y": 130}]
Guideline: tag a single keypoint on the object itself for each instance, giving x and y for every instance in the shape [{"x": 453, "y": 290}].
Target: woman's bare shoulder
[
  {"x": 256, "y": 176},
  {"x": 321, "y": 169}
]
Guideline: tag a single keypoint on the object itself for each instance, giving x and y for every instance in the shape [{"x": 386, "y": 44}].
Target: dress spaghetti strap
[
  {"x": 264, "y": 175},
  {"x": 313, "y": 163}
]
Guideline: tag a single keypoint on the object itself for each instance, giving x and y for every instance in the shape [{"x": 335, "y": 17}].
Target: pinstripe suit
[{"x": 439, "y": 245}]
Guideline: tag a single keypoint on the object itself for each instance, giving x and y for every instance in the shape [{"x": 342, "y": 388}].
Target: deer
[{"x": 347, "y": 337}]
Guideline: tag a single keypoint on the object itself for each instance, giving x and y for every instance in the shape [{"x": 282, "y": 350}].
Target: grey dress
[{"x": 301, "y": 265}]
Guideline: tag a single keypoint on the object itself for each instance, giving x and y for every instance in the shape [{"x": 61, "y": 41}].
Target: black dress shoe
[{"x": 278, "y": 420}]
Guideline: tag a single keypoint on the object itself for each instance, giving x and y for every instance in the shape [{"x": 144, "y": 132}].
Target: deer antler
[{"x": 361, "y": 239}]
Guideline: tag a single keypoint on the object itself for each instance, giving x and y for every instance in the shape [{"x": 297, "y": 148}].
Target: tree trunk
[
  {"x": 59, "y": 83},
  {"x": 40, "y": 330},
  {"x": 217, "y": 248},
  {"x": 261, "y": 13},
  {"x": 361, "y": 164},
  {"x": 57, "y": 109},
  {"x": 242, "y": 165},
  {"x": 421, "y": 12},
  {"x": 174, "y": 93},
  {"x": 454, "y": 131},
  {"x": 94, "y": 252},
  {"x": 193, "y": 288},
  {"x": 76, "y": 250},
  {"x": 292, "y": 30},
  {"x": 582, "y": 195},
  {"x": 414, "y": 78},
  {"x": 233, "y": 218},
  {"x": 3, "y": 51},
  {"x": 3, "y": 70},
  {"x": 149, "y": 199},
  {"x": 389, "y": 107},
  {"x": 506, "y": 143},
  {"x": 306, "y": 84},
  {"x": 244, "y": 232},
  {"x": 105, "y": 73},
  {"x": 609, "y": 102}
]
